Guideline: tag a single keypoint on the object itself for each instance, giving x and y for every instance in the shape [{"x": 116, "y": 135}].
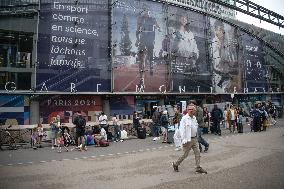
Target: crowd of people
[{"x": 261, "y": 116}]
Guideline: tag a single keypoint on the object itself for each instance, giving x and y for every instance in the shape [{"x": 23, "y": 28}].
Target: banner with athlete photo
[
  {"x": 139, "y": 29},
  {"x": 226, "y": 67},
  {"x": 190, "y": 70}
]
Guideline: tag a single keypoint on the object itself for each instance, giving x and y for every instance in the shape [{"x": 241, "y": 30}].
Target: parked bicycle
[{"x": 7, "y": 141}]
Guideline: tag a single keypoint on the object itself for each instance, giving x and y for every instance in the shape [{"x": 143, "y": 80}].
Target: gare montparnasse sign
[{"x": 11, "y": 87}]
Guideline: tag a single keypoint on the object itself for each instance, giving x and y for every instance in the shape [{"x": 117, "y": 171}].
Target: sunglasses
[{"x": 189, "y": 109}]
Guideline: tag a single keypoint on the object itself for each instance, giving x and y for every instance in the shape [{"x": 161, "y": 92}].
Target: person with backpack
[
  {"x": 200, "y": 120},
  {"x": 156, "y": 124},
  {"x": 256, "y": 115},
  {"x": 217, "y": 116},
  {"x": 80, "y": 124}
]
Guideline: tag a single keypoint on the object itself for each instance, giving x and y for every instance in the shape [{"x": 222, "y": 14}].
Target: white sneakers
[
  {"x": 178, "y": 149},
  {"x": 156, "y": 138}
]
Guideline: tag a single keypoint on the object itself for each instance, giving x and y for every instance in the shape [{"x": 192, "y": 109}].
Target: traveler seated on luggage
[{"x": 99, "y": 134}]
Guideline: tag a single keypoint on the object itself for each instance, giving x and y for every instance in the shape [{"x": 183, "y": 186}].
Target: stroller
[{"x": 65, "y": 141}]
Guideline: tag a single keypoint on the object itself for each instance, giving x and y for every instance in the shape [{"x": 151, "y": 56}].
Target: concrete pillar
[
  {"x": 34, "y": 112},
  {"x": 106, "y": 108},
  {"x": 161, "y": 102}
]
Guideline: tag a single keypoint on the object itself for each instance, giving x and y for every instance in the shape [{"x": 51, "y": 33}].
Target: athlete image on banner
[
  {"x": 138, "y": 30},
  {"x": 145, "y": 38},
  {"x": 226, "y": 70},
  {"x": 186, "y": 47}
]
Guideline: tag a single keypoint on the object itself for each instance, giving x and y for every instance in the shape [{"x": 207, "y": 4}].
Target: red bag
[{"x": 104, "y": 143}]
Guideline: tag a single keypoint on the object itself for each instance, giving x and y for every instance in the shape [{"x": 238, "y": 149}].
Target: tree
[{"x": 125, "y": 43}]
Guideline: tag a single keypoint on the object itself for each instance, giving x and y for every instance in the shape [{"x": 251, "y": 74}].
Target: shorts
[
  {"x": 164, "y": 130},
  {"x": 80, "y": 133},
  {"x": 54, "y": 134}
]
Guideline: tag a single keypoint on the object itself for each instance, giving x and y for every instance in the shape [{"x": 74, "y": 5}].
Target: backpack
[
  {"x": 81, "y": 122},
  {"x": 155, "y": 117},
  {"x": 217, "y": 114}
]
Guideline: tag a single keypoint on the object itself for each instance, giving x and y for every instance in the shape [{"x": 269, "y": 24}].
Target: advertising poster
[
  {"x": 121, "y": 105},
  {"x": 66, "y": 106},
  {"x": 227, "y": 73},
  {"x": 73, "y": 46},
  {"x": 139, "y": 64},
  {"x": 187, "y": 50},
  {"x": 255, "y": 73}
]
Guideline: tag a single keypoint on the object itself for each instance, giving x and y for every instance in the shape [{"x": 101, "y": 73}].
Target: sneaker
[
  {"x": 206, "y": 149},
  {"x": 175, "y": 167},
  {"x": 52, "y": 147},
  {"x": 155, "y": 138},
  {"x": 177, "y": 149},
  {"x": 200, "y": 170},
  {"x": 274, "y": 122}
]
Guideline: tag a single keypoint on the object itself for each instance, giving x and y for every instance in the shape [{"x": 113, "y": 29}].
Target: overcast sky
[{"x": 273, "y": 5}]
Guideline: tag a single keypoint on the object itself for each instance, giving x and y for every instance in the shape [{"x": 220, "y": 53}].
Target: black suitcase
[
  {"x": 170, "y": 136},
  {"x": 141, "y": 132}
]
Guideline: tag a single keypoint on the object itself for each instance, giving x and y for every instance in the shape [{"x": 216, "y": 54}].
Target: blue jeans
[
  {"x": 156, "y": 129},
  {"x": 117, "y": 132},
  {"x": 201, "y": 140}
]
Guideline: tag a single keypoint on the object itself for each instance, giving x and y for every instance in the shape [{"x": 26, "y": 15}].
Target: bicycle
[{"x": 7, "y": 140}]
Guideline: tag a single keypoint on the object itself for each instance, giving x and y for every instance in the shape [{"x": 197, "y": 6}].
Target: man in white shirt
[
  {"x": 103, "y": 122},
  {"x": 188, "y": 130}
]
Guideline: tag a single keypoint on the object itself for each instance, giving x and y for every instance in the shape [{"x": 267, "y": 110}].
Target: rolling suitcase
[
  {"x": 141, "y": 132},
  {"x": 170, "y": 134}
]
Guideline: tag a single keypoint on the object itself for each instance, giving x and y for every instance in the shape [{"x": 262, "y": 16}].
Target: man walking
[
  {"x": 199, "y": 117},
  {"x": 188, "y": 129}
]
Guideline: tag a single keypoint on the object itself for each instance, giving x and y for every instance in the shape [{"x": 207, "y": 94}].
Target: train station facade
[{"x": 58, "y": 57}]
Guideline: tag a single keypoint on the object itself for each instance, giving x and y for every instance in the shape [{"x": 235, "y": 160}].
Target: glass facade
[{"x": 128, "y": 47}]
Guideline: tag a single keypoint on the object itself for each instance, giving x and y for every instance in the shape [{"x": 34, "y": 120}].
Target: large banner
[
  {"x": 138, "y": 31},
  {"x": 73, "y": 53},
  {"x": 227, "y": 73},
  {"x": 187, "y": 51},
  {"x": 66, "y": 106},
  {"x": 255, "y": 73},
  {"x": 121, "y": 105}
]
